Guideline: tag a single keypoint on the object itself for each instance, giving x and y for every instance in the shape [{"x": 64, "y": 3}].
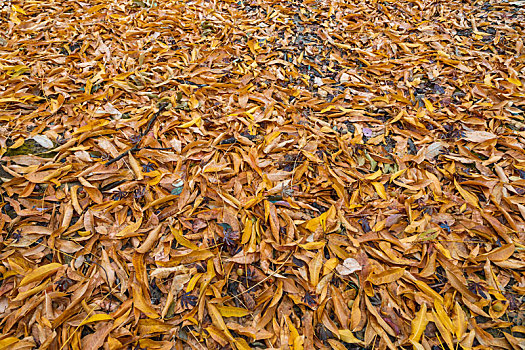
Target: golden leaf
[
  {"x": 469, "y": 197},
  {"x": 40, "y": 273},
  {"x": 315, "y": 267},
  {"x": 348, "y": 337},
  {"x": 387, "y": 276},
  {"x": 231, "y": 311},
  {"x": 97, "y": 318},
  {"x": 419, "y": 323}
]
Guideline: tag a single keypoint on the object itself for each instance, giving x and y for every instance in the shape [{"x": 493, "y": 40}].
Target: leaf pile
[{"x": 262, "y": 174}]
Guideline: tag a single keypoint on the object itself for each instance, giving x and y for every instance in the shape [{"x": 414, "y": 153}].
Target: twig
[{"x": 136, "y": 147}]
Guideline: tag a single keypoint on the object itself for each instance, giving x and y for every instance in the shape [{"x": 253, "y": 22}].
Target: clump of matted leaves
[{"x": 262, "y": 174}]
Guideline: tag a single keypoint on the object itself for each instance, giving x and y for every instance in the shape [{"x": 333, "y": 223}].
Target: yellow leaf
[
  {"x": 315, "y": 268},
  {"x": 314, "y": 223},
  {"x": 33, "y": 291},
  {"x": 295, "y": 339},
  {"x": 91, "y": 126},
  {"x": 336, "y": 345},
  {"x": 343, "y": 46},
  {"x": 248, "y": 229},
  {"x": 442, "y": 314},
  {"x": 10, "y": 99},
  {"x": 380, "y": 189},
  {"x": 375, "y": 175},
  {"x": 122, "y": 76},
  {"x": 140, "y": 303},
  {"x": 330, "y": 265},
  {"x": 121, "y": 319},
  {"x": 57, "y": 172},
  {"x": 13, "y": 18},
  {"x": 252, "y": 244},
  {"x": 387, "y": 276},
  {"x": 87, "y": 88},
  {"x": 231, "y": 311},
  {"x": 348, "y": 337},
  {"x": 40, "y": 273},
  {"x": 230, "y": 199},
  {"x": 363, "y": 60},
  {"x": 135, "y": 166},
  {"x": 8, "y": 274},
  {"x": 6, "y": 342},
  {"x": 193, "y": 282},
  {"x": 190, "y": 123},
  {"x": 130, "y": 230},
  {"x": 154, "y": 181},
  {"x": 312, "y": 245},
  {"x": 429, "y": 291},
  {"x": 183, "y": 241},
  {"x": 18, "y": 9},
  {"x": 416, "y": 345},
  {"x": 194, "y": 103},
  {"x": 397, "y": 174},
  {"x": 253, "y": 201},
  {"x": 298, "y": 343},
  {"x": 213, "y": 167},
  {"x": 217, "y": 335},
  {"x": 419, "y": 323},
  {"x": 277, "y": 295},
  {"x": 460, "y": 321},
  {"x": 197, "y": 255},
  {"x": 149, "y": 326},
  {"x": 97, "y": 318},
  {"x": 20, "y": 69},
  {"x": 96, "y": 8},
  {"x": 312, "y": 157},
  {"x": 253, "y": 46},
  {"x": 443, "y": 250},
  {"x": 272, "y": 137},
  {"x": 242, "y": 344},
  {"x": 428, "y": 105},
  {"x": 150, "y": 240},
  {"x": 443, "y": 331},
  {"x": 114, "y": 344},
  {"x": 514, "y": 81},
  {"x": 300, "y": 59},
  {"x": 380, "y": 225},
  {"x": 217, "y": 320},
  {"x": 469, "y": 197},
  {"x": 498, "y": 254},
  {"x": 161, "y": 201},
  {"x": 329, "y": 108}
]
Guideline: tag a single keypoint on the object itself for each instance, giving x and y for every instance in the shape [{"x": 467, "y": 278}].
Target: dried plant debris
[{"x": 262, "y": 174}]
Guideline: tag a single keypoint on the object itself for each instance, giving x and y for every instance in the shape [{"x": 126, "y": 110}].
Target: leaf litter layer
[{"x": 262, "y": 174}]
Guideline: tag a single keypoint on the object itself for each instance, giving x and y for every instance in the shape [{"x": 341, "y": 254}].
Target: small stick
[{"x": 135, "y": 147}]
